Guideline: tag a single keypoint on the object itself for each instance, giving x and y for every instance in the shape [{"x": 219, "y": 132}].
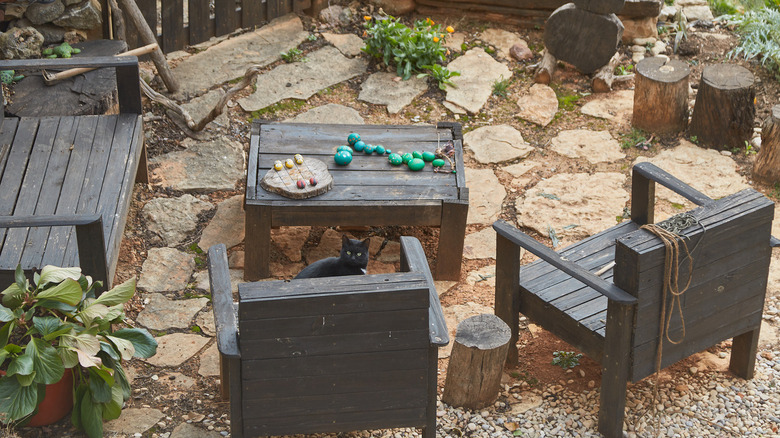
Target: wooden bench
[
  {"x": 614, "y": 318},
  {"x": 330, "y": 354},
  {"x": 60, "y": 174}
]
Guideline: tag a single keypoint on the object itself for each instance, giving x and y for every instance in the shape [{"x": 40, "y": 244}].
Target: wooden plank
[
  {"x": 252, "y": 13},
  {"x": 346, "y": 422},
  {"x": 273, "y": 9},
  {"x": 257, "y": 241},
  {"x": 373, "y": 214},
  {"x": 252, "y": 177},
  {"x": 381, "y": 361},
  {"x": 321, "y": 287},
  {"x": 236, "y": 396},
  {"x": 329, "y": 345},
  {"x": 337, "y": 134},
  {"x": 200, "y": 25},
  {"x": 743, "y": 354},
  {"x": 507, "y": 295},
  {"x": 149, "y": 11},
  {"x": 7, "y": 133},
  {"x": 50, "y": 192},
  {"x": 361, "y": 162},
  {"x": 222, "y": 301},
  {"x": 16, "y": 163},
  {"x": 333, "y": 324},
  {"x": 341, "y": 193},
  {"x": 30, "y": 190},
  {"x": 225, "y": 16},
  {"x": 616, "y": 367},
  {"x": 449, "y": 254},
  {"x": 351, "y": 380},
  {"x": 557, "y": 284},
  {"x": 413, "y": 260},
  {"x": 172, "y": 17}
]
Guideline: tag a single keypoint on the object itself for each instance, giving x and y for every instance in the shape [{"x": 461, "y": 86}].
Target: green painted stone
[
  {"x": 395, "y": 159},
  {"x": 379, "y": 149},
  {"x": 353, "y": 138},
  {"x": 359, "y": 145},
  {"x": 428, "y": 156},
  {"x": 342, "y": 158},
  {"x": 417, "y": 154},
  {"x": 344, "y": 148},
  {"x": 368, "y": 149},
  {"x": 438, "y": 162},
  {"x": 388, "y": 151},
  {"x": 407, "y": 157},
  {"x": 416, "y": 164}
]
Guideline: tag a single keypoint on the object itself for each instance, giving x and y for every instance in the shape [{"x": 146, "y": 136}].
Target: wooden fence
[{"x": 179, "y": 23}]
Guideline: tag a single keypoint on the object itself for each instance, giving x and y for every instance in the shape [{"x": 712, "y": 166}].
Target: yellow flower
[
  {"x": 429, "y": 21},
  {"x": 435, "y": 39},
  {"x": 441, "y": 36},
  {"x": 366, "y": 17},
  {"x": 450, "y": 29}
]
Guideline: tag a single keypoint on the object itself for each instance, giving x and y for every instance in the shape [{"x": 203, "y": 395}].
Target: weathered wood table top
[{"x": 367, "y": 192}]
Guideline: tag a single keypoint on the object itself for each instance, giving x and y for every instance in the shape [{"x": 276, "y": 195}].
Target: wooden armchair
[
  {"x": 614, "y": 318},
  {"x": 330, "y": 354}
]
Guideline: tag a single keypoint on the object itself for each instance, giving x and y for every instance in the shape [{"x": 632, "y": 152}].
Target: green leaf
[
  {"x": 67, "y": 309},
  {"x": 46, "y": 324},
  {"x": 20, "y": 279},
  {"x": 113, "y": 409},
  {"x": 124, "y": 383},
  {"x": 6, "y": 314},
  {"x": 20, "y": 365},
  {"x": 75, "y": 414},
  {"x": 144, "y": 343},
  {"x": 93, "y": 312},
  {"x": 5, "y": 333},
  {"x": 54, "y": 274},
  {"x": 68, "y": 292},
  {"x": 16, "y": 401},
  {"x": 108, "y": 348},
  {"x": 47, "y": 363},
  {"x": 123, "y": 346},
  {"x": 91, "y": 416},
  {"x": 100, "y": 383},
  {"x": 115, "y": 313},
  {"x": 26, "y": 380},
  {"x": 68, "y": 356}
]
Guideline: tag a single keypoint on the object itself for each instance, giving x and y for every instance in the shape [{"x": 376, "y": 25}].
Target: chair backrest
[
  {"x": 334, "y": 354},
  {"x": 731, "y": 251}
]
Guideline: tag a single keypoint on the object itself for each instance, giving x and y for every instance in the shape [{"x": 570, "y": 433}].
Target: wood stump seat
[
  {"x": 66, "y": 182},
  {"x": 614, "y": 317},
  {"x": 330, "y": 354}
]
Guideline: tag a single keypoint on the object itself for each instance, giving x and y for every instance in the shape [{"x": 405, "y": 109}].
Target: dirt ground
[{"x": 185, "y": 392}]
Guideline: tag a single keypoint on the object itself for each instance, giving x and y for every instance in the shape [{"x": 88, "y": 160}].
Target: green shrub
[
  {"x": 566, "y": 359},
  {"x": 500, "y": 87},
  {"x": 440, "y": 74},
  {"x": 759, "y": 36}
]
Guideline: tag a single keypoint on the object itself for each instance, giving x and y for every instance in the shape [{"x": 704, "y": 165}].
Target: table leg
[
  {"x": 257, "y": 243},
  {"x": 449, "y": 256}
]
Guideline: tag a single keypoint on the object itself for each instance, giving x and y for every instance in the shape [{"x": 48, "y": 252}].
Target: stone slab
[
  {"x": 177, "y": 348},
  {"x": 478, "y": 71},
  {"x": 594, "y": 146},
  {"x": 348, "y": 44},
  {"x": 174, "y": 220},
  {"x": 133, "y": 421},
  {"x": 496, "y": 144},
  {"x": 539, "y": 105},
  {"x": 383, "y": 88},
  {"x": 208, "y": 166},
  {"x": 617, "y": 106},
  {"x": 201, "y": 279},
  {"x": 227, "y": 225},
  {"x": 486, "y": 195},
  {"x": 199, "y": 107},
  {"x": 230, "y": 58},
  {"x": 187, "y": 430},
  {"x": 480, "y": 245},
  {"x": 162, "y": 313},
  {"x": 502, "y": 40},
  {"x": 331, "y": 113},
  {"x": 166, "y": 270},
  {"x": 209, "y": 361},
  {"x": 300, "y": 80},
  {"x": 205, "y": 320}
]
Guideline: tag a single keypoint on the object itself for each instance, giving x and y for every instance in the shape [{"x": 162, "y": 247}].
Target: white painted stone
[
  {"x": 212, "y": 165},
  {"x": 227, "y": 225},
  {"x": 209, "y": 361},
  {"x": 325, "y": 67},
  {"x": 166, "y": 270},
  {"x": 496, "y": 144},
  {"x": 594, "y": 146},
  {"x": 162, "y": 313},
  {"x": 348, "y": 44},
  {"x": 486, "y": 194},
  {"x": 706, "y": 170},
  {"x": 331, "y": 113},
  {"x": 591, "y": 202},
  {"x": 539, "y": 105},
  {"x": 617, "y": 106},
  {"x": 174, "y": 349},
  {"x": 381, "y": 89},
  {"x": 478, "y": 72},
  {"x": 230, "y": 59},
  {"x": 174, "y": 220},
  {"x": 480, "y": 245},
  {"x": 453, "y": 315},
  {"x": 133, "y": 420},
  {"x": 502, "y": 40}
]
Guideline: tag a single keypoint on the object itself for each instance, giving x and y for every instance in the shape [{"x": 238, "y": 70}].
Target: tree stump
[
  {"x": 661, "y": 95},
  {"x": 546, "y": 69},
  {"x": 600, "y": 6},
  {"x": 724, "y": 110},
  {"x": 478, "y": 354},
  {"x": 767, "y": 166}
]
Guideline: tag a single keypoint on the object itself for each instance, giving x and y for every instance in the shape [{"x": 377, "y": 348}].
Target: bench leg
[
  {"x": 257, "y": 243},
  {"x": 142, "y": 174},
  {"x": 449, "y": 256},
  {"x": 507, "y": 302},
  {"x": 743, "y": 354},
  {"x": 615, "y": 368},
  {"x": 429, "y": 431}
]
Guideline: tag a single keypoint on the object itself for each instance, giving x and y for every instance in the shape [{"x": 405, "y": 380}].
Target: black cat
[{"x": 352, "y": 261}]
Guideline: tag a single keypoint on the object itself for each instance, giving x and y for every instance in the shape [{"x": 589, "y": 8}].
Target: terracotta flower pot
[{"x": 57, "y": 403}]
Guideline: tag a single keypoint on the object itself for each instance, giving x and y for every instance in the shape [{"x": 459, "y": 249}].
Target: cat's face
[{"x": 354, "y": 252}]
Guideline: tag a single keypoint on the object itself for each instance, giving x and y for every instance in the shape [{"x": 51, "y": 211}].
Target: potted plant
[{"x": 58, "y": 324}]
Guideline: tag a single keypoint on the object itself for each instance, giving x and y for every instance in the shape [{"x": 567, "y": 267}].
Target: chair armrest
[
  {"x": 644, "y": 172},
  {"x": 523, "y": 240},
  {"x": 413, "y": 260},
  {"x": 128, "y": 88},
  {"x": 222, "y": 301}
]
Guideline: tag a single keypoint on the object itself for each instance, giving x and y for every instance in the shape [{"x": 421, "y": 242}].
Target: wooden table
[{"x": 367, "y": 192}]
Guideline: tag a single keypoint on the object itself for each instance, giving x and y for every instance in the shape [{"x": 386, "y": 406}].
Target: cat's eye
[
  {"x": 349, "y": 252},
  {"x": 359, "y": 254}
]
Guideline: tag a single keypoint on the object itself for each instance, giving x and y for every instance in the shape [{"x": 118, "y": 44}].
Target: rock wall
[{"x": 55, "y": 22}]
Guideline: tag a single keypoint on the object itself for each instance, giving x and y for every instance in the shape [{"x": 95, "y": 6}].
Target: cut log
[
  {"x": 661, "y": 95},
  {"x": 605, "y": 76},
  {"x": 546, "y": 69},
  {"x": 478, "y": 354},
  {"x": 724, "y": 110},
  {"x": 600, "y": 6},
  {"x": 767, "y": 167},
  {"x": 581, "y": 38}
]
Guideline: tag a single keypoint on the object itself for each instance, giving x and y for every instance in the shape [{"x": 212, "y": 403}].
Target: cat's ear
[
  {"x": 344, "y": 239},
  {"x": 365, "y": 242}
]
